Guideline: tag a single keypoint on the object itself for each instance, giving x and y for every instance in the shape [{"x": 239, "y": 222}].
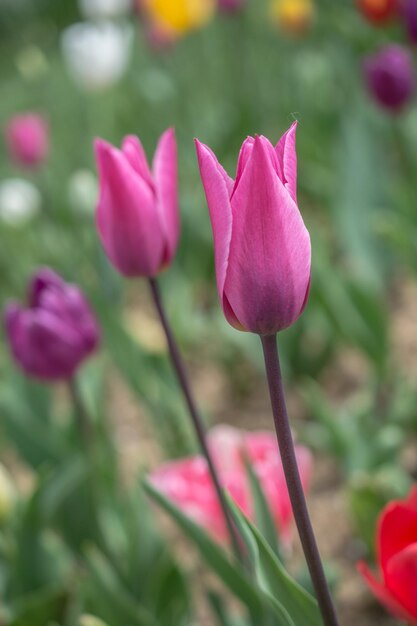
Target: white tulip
[
  {"x": 97, "y": 54},
  {"x": 104, "y": 9},
  {"x": 19, "y": 201},
  {"x": 83, "y": 191}
]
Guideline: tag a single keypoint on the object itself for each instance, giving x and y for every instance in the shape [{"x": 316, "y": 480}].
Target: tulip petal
[
  {"x": 44, "y": 279},
  {"x": 269, "y": 265},
  {"x": 244, "y": 155},
  {"x": 217, "y": 186},
  {"x": 401, "y": 579},
  {"x": 133, "y": 150},
  {"x": 287, "y": 157},
  {"x": 397, "y": 529},
  {"x": 165, "y": 170},
  {"x": 384, "y": 595},
  {"x": 126, "y": 214}
]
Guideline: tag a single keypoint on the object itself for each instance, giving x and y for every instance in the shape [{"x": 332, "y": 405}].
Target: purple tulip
[
  {"x": 57, "y": 331},
  {"x": 137, "y": 212},
  {"x": 261, "y": 245},
  {"x": 409, "y": 12},
  {"x": 390, "y": 77}
]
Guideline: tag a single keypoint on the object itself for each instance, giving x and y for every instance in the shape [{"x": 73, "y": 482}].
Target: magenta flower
[
  {"x": 262, "y": 248},
  {"x": 27, "y": 138},
  {"x": 137, "y": 212},
  {"x": 390, "y": 77},
  {"x": 188, "y": 484},
  {"x": 51, "y": 337}
]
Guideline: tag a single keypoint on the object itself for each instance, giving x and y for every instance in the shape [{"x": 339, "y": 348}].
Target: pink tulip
[
  {"x": 27, "y": 138},
  {"x": 261, "y": 245},
  {"x": 137, "y": 212},
  {"x": 187, "y": 482}
]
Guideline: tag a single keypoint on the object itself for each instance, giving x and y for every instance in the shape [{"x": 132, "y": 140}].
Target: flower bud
[
  {"x": 27, "y": 139},
  {"x": 378, "y": 11},
  {"x": 180, "y": 16},
  {"x": 137, "y": 211},
  {"x": 96, "y": 54},
  {"x": 294, "y": 17},
  {"x": 20, "y": 201},
  {"x": 57, "y": 331},
  {"x": 390, "y": 77},
  {"x": 262, "y": 248}
]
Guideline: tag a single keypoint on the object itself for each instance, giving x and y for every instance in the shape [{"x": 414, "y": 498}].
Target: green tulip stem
[
  {"x": 292, "y": 477},
  {"x": 80, "y": 413},
  {"x": 197, "y": 421}
]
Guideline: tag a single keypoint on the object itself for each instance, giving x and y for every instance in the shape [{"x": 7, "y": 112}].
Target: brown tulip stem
[
  {"x": 292, "y": 477},
  {"x": 179, "y": 367},
  {"x": 83, "y": 421}
]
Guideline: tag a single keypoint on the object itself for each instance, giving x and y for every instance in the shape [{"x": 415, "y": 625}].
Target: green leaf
[
  {"x": 272, "y": 577},
  {"x": 263, "y": 514},
  {"x": 39, "y": 607},
  {"x": 229, "y": 573},
  {"x": 116, "y": 601}
]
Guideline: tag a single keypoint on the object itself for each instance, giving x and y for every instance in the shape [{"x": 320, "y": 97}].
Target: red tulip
[
  {"x": 378, "y": 11},
  {"x": 396, "y": 584}
]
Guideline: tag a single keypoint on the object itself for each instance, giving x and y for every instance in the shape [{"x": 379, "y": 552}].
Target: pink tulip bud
[
  {"x": 137, "y": 212},
  {"x": 261, "y": 246},
  {"x": 188, "y": 484},
  {"x": 28, "y": 139},
  {"x": 57, "y": 331}
]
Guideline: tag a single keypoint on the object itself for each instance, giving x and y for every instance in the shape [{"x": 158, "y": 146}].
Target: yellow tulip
[
  {"x": 180, "y": 16},
  {"x": 293, "y": 16}
]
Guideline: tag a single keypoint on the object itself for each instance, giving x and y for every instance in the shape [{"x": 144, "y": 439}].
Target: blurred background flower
[
  {"x": 390, "y": 77},
  {"x": 379, "y": 11},
  {"x": 294, "y": 17},
  {"x": 51, "y": 337},
  {"x": 20, "y": 201},
  {"x": 27, "y": 138},
  {"x": 180, "y": 16},
  {"x": 104, "y": 9},
  {"x": 97, "y": 54}
]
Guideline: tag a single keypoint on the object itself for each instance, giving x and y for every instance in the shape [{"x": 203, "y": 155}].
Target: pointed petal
[
  {"x": 287, "y": 157},
  {"x": 384, "y": 595},
  {"x": 45, "y": 278},
  {"x": 401, "y": 579},
  {"x": 217, "y": 186},
  {"x": 133, "y": 150},
  {"x": 269, "y": 264},
  {"x": 165, "y": 169},
  {"x": 244, "y": 155},
  {"x": 396, "y": 530},
  {"x": 127, "y": 219}
]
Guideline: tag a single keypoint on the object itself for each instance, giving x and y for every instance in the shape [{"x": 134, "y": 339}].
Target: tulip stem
[
  {"x": 83, "y": 422},
  {"x": 292, "y": 477},
  {"x": 179, "y": 367}
]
